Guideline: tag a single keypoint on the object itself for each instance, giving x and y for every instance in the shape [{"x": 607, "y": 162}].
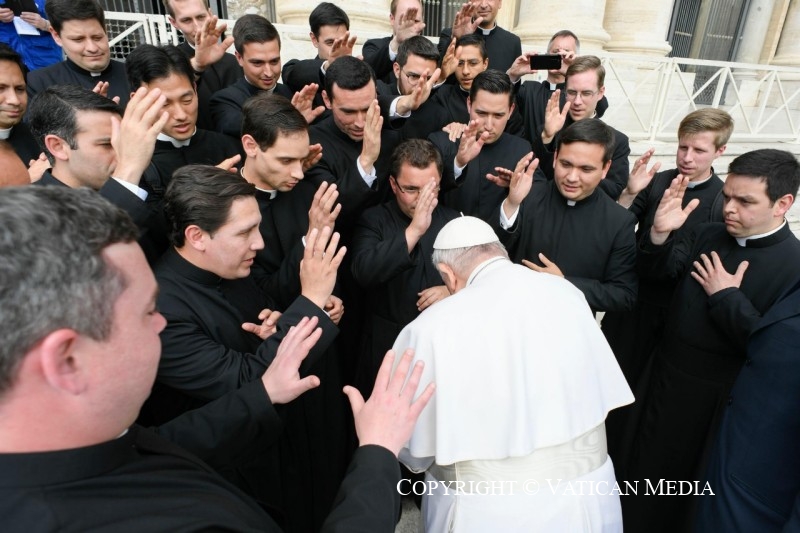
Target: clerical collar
[
  {"x": 553, "y": 86},
  {"x": 571, "y": 203},
  {"x": 484, "y": 31},
  {"x": 742, "y": 241},
  {"x": 268, "y": 91},
  {"x": 272, "y": 194},
  {"x": 483, "y": 266},
  {"x": 175, "y": 142},
  {"x": 5, "y": 134},
  {"x": 693, "y": 184}
]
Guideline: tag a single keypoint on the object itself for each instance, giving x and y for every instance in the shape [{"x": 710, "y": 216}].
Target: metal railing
[{"x": 648, "y": 95}]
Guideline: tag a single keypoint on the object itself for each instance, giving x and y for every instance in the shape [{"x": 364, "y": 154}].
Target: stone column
[
  {"x": 539, "y": 19},
  {"x": 638, "y": 28},
  {"x": 366, "y": 15},
  {"x": 754, "y": 34},
  {"x": 788, "y": 52}
]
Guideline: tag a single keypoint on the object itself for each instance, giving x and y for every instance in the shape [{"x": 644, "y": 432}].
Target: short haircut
[
  {"x": 464, "y": 260},
  {"x": 585, "y": 64},
  {"x": 201, "y": 195},
  {"x": 253, "y": 29},
  {"x": 8, "y": 54},
  {"x": 266, "y": 116},
  {"x": 716, "y": 121},
  {"x": 171, "y": 10},
  {"x": 327, "y": 14},
  {"x": 54, "y": 112},
  {"x": 147, "y": 63},
  {"x": 564, "y": 33},
  {"x": 418, "y": 46},
  {"x": 418, "y": 153},
  {"x": 592, "y": 131},
  {"x": 778, "y": 168},
  {"x": 61, "y": 11},
  {"x": 53, "y": 271},
  {"x": 472, "y": 39},
  {"x": 348, "y": 73},
  {"x": 393, "y": 7},
  {"x": 494, "y": 82}
]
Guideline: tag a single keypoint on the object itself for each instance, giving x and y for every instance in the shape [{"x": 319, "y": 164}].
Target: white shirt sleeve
[
  {"x": 457, "y": 170},
  {"x": 507, "y": 222},
  {"x": 393, "y": 110},
  {"x": 368, "y": 177},
  {"x": 135, "y": 189}
]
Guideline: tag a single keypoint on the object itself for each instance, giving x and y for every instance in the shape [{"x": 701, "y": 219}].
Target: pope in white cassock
[{"x": 515, "y": 434}]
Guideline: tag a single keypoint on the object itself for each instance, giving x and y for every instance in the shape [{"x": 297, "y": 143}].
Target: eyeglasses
[
  {"x": 585, "y": 95},
  {"x": 412, "y": 76},
  {"x": 411, "y": 191}
]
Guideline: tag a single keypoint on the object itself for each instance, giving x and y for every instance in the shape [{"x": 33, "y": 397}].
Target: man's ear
[
  {"x": 56, "y": 36},
  {"x": 314, "y": 40},
  {"x": 195, "y": 237},
  {"x": 325, "y": 99},
  {"x": 782, "y": 205},
  {"x": 396, "y": 68},
  {"x": 61, "y": 366},
  {"x": 606, "y": 168},
  {"x": 57, "y": 147},
  {"x": 448, "y": 276},
  {"x": 239, "y": 58},
  {"x": 250, "y": 145}
]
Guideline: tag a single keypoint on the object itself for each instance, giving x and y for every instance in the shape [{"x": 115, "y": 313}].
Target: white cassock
[{"x": 524, "y": 381}]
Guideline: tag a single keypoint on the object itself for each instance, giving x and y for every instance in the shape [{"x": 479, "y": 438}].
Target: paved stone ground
[{"x": 410, "y": 519}]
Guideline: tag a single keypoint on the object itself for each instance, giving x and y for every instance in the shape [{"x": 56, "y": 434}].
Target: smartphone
[{"x": 546, "y": 62}]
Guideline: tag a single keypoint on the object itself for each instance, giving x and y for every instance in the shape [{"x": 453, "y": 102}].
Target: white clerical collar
[
  {"x": 571, "y": 203},
  {"x": 553, "y": 86},
  {"x": 482, "y": 267},
  {"x": 268, "y": 91},
  {"x": 693, "y": 184},
  {"x": 272, "y": 194},
  {"x": 5, "y": 134},
  {"x": 175, "y": 142},
  {"x": 490, "y": 30},
  {"x": 742, "y": 241}
]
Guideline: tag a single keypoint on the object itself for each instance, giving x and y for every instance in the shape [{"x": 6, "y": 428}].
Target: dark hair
[
  {"x": 53, "y": 274},
  {"x": 419, "y": 153},
  {"x": 53, "y": 112},
  {"x": 61, "y": 11},
  {"x": 564, "y": 33},
  {"x": 265, "y": 116},
  {"x": 327, "y": 14},
  {"x": 171, "y": 10},
  {"x": 419, "y": 46},
  {"x": 778, "y": 168},
  {"x": 585, "y": 64},
  {"x": 473, "y": 39},
  {"x": 201, "y": 195},
  {"x": 494, "y": 82},
  {"x": 8, "y": 54},
  {"x": 348, "y": 73},
  {"x": 253, "y": 29},
  {"x": 592, "y": 131},
  {"x": 147, "y": 63}
]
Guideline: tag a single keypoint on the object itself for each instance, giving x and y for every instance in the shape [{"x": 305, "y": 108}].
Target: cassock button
[
  {"x": 748, "y": 362},
  {"x": 730, "y": 400}
]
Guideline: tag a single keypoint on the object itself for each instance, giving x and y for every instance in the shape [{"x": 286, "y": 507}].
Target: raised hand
[
  {"x": 313, "y": 157},
  {"x": 710, "y": 273},
  {"x": 465, "y": 21},
  {"x": 324, "y": 209},
  {"x": 520, "y": 183},
  {"x": 449, "y": 62},
  {"x": 267, "y": 327},
  {"x": 670, "y": 214},
  {"x": 282, "y": 378},
  {"x": 230, "y": 163},
  {"x": 554, "y": 118},
  {"x": 134, "y": 138},
  {"x": 388, "y": 418},
  {"x": 371, "y": 147},
  {"x": 303, "y": 101},
  {"x": 319, "y": 265},
  {"x": 207, "y": 47},
  {"x": 343, "y": 46},
  {"x": 520, "y": 67},
  {"x": 423, "y": 213},
  {"x": 409, "y": 24},
  {"x": 471, "y": 144},
  {"x": 419, "y": 95},
  {"x": 639, "y": 178}
]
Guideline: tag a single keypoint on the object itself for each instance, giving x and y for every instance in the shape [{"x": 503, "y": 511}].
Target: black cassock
[
  {"x": 205, "y": 148},
  {"x": 226, "y": 105},
  {"x": 216, "y": 77},
  {"x": 68, "y": 73},
  {"x": 143, "y": 481},
  {"x": 704, "y": 347},
  {"x": 23, "y": 143},
  {"x": 617, "y": 178},
  {"x": 633, "y": 334},
  {"x": 391, "y": 278},
  {"x": 376, "y": 55},
  {"x": 592, "y": 241},
  {"x": 206, "y": 353},
  {"x": 472, "y": 194}
]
